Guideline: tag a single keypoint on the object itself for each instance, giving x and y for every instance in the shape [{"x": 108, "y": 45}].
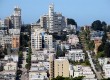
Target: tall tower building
[
  {"x": 51, "y": 17},
  {"x": 16, "y": 18},
  {"x": 53, "y": 22}
]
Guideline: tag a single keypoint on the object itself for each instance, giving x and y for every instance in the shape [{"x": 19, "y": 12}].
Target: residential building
[
  {"x": 7, "y": 22},
  {"x": 10, "y": 66},
  {"x": 48, "y": 41},
  {"x": 41, "y": 55},
  {"x": 38, "y": 71},
  {"x": 16, "y": 41},
  {"x": 38, "y": 75},
  {"x": 75, "y": 55},
  {"x": 40, "y": 39},
  {"x": 16, "y": 18},
  {"x": 51, "y": 69},
  {"x": 61, "y": 67},
  {"x": 85, "y": 71},
  {"x": 106, "y": 70},
  {"x": 103, "y": 61},
  {"x": 2, "y": 23},
  {"x": 11, "y": 57},
  {"x": 53, "y": 21},
  {"x": 73, "y": 39}
]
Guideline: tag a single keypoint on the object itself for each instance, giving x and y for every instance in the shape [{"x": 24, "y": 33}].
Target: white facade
[
  {"x": 40, "y": 40},
  {"x": 75, "y": 55},
  {"x": 48, "y": 41},
  {"x": 106, "y": 69},
  {"x": 73, "y": 39},
  {"x": 11, "y": 57},
  {"x": 86, "y": 71},
  {"x": 14, "y": 31},
  {"x": 2, "y": 23},
  {"x": 38, "y": 75},
  {"x": 41, "y": 55},
  {"x": 38, "y": 71},
  {"x": 103, "y": 61},
  {"x": 53, "y": 21},
  {"x": 10, "y": 66},
  {"x": 36, "y": 41}
]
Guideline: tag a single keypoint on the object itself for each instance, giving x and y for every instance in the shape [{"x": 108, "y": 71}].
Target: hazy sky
[{"x": 83, "y": 11}]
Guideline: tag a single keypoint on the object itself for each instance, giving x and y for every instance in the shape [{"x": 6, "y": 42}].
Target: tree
[
  {"x": 97, "y": 25},
  {"x": 91, "y": 45},
  {"x": 107, "y": 49},
  {"x": 71, "y": 21}
]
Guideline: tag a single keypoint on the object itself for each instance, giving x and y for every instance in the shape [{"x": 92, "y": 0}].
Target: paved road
[
  {"x": 98, "y": 74},
  {"x": 24, "y": 75}
]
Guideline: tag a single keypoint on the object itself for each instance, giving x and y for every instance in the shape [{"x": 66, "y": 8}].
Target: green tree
[
  {"x": 71, "y": 21},
  {"x": 107, "y": 49},
  {"x": 97, "y": 25}
]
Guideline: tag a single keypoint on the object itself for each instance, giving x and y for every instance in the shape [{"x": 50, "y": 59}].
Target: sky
[{"x": 84, "y": 12}]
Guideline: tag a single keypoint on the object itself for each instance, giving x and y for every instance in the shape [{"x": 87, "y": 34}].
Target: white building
[
  {"x": 75, "y": 55},
  {"x": 73, "y": 39},
  {"x": 48, "y": 41},
  {"x": 36, "y": 41},
  {"x": 14, "y": 31},
  {"x": 41, "y": 55},
  {"x": 9, "y": 75},
  {"x": 106, "y": 70},
  {"x": 11, "y": 58},
  {"x": 40, "y": 40},
  {"x": 2, "y": 23},
  {"x": 38, "y": 71},
  {"x": 85, "y": 71},
  {"x": 103, "y": 61},
  {"x": 10, "y": 66},
  {"x": 53, "y": 21},
  {"x": 38, "y": 75}
]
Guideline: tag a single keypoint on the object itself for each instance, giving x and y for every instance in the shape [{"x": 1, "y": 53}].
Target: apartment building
[
  {"x": 16, "y": 41},
  {"x": 106, "y": 70},
  {"x": 13, "y": 38},
  {"x": 85, "y": 71},
  {"x": 53, "y": 21},
  {"x": 73, "y": 39},
  {"x": 61, "y": 67},
  {"x": 38, "y": 71},
  {"x": 41, "y": 55},
  {"x": 40, "y": 40},
  {"x": 48, "y": 41},
  {"x": 75, "y": 55},
  {"x": 10, "y": 66}
]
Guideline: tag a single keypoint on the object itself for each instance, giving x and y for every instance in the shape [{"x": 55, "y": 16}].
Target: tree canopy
[
  {"x": 98, "y": 25},
  {"x": 71, "y": 21}
]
